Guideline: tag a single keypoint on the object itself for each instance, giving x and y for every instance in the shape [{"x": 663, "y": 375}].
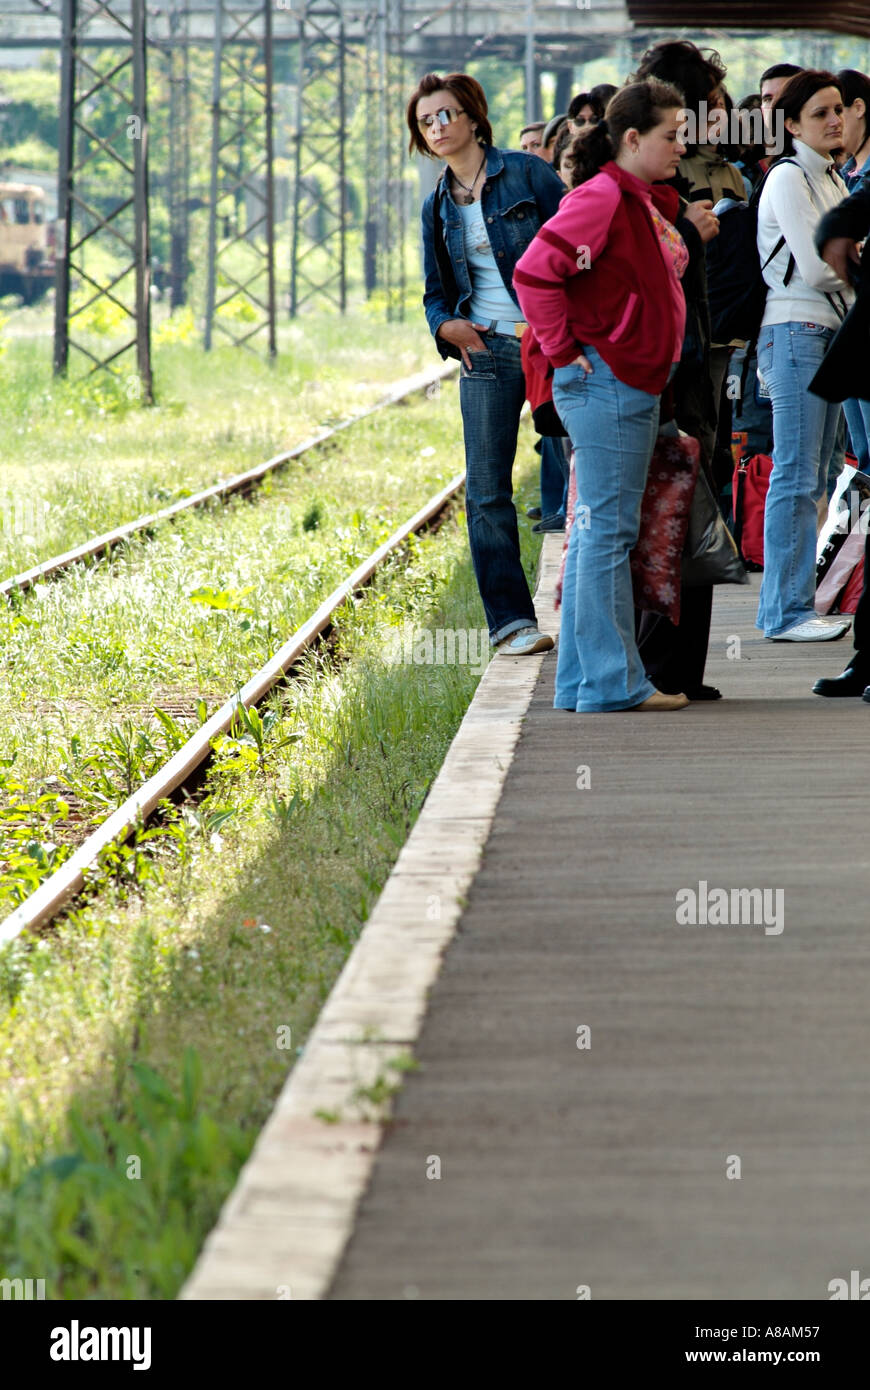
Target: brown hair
[
  {"x": 853, "y": 84},
  {"x": 794, "y": 96},
  {"x": 639, "y": 107},
  {"x": 470, "y": 96},
  {"x": 563, "y": 141}
]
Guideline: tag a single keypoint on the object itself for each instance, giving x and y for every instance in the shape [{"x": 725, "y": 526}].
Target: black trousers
[
  {"x": 674, "y": 656},
  {"x": 861, "y": 625}
]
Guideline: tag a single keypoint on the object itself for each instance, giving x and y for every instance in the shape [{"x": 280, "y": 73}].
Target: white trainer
[
  {"x": 814, "y": 630},
  {"x": 525, "y": 642}
]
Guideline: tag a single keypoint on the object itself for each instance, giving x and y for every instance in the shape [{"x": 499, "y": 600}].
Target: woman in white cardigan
[{"x": 806, "y": 301}]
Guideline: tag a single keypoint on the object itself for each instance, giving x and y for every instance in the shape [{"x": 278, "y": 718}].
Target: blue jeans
[
  {"x": 838, "y": 458},
  {"x": 804, "y": 436},
  {"x": 554, "y": 477},
  {"x": 613, "y": 429},
  {"x": 491, "y": 397},
  {"x": 858, "y": 419}
]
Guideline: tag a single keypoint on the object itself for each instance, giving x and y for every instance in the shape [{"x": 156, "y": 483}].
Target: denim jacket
[{"x": 520, "y": 193}]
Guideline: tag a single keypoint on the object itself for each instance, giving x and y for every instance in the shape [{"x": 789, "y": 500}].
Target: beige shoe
[{"x": 661, "y": 701}]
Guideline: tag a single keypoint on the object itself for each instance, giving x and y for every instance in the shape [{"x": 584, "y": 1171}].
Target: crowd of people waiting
[{"x": 582, "y": 258}]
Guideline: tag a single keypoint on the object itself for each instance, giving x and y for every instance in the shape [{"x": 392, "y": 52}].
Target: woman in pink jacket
[{"x": 600, "y": 287}]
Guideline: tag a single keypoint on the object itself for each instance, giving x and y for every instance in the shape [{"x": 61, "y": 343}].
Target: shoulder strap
[
  {"x": 755, "y": 196},
  {"x": 790, "y": 267}
]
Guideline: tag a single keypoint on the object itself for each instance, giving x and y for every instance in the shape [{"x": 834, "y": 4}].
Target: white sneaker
[
  {"x": 525, "y": 642},
  {"x": 814, "y": 630}
]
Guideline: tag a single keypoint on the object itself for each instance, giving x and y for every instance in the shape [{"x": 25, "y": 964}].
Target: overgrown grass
[
  {"x": 144, "y": 1042},
  {"x": 184, "y": 619},
  {"x": 80, "y": 457}
]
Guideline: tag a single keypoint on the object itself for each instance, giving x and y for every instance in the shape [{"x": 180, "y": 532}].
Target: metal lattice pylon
[
  {"x": 103, "y": 247},
  {"x": 318, "y": 264},
  {"x": 385, "y": 95},
  {"x": 391, "y": 194},
  {"x": 241, "y": 254},
  {"x": 178, "y": 77}
]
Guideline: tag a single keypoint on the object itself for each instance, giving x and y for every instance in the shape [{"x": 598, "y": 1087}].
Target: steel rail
[
  {"x": 240, "y": 482},
  {"x": 44, "y": 904}
]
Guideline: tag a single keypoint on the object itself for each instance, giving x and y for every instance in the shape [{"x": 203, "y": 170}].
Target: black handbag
[
  {"x": 844, "y": 372},
  {"x": 710, "y": 555}
]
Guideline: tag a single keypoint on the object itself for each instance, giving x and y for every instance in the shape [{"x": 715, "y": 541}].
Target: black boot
[{"x": 854, "y": 680}]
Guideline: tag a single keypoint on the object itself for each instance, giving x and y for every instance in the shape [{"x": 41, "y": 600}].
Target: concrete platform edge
[{"x": 284, "y": 1227}]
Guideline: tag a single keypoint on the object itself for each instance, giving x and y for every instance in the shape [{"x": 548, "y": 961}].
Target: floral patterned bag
[
  {"x": 656, "y": 561},
  {"x": 657, "y": 557}
]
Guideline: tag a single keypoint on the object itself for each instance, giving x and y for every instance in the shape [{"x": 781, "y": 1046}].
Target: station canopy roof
[
  {"x": 442, "y": 33},
  {"x": 839, "y": 16}
]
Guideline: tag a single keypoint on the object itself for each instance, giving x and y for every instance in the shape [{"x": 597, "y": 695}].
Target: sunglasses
[{"x": 446, "y": 116}]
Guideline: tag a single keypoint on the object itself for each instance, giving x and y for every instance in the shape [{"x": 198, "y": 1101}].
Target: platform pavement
[
  {"x": 557, "y": 844},
  {"x": 712, "y": 1049}
]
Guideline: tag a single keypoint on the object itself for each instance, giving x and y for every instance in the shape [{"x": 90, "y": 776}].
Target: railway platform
[{"x": 629, "y": 957}]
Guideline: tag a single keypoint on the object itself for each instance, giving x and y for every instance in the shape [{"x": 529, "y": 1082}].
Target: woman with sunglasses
[{"x": 486, "y": 208}]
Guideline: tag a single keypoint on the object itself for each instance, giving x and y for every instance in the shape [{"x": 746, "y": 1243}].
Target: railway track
[
  {"x": 46, "y": 902},
  {"x": 239, "y": 484}
]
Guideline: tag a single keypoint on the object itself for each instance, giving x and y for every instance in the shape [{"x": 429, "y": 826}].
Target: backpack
[{"x": 736, "y": 288}]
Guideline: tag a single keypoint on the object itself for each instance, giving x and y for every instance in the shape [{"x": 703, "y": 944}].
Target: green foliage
[
  {"x": 254, "y": 740},
  {"x": 222, "y": 600},
  {"x": 101, "y": 318},
  {"x": 122, "y": 1209},
  {"x": 180, "y": 327},
  {"x": 337, "y": 766},
  {"x": 32, "y": 153},
  {"x": 29, "y": 100},
  {"x": 240, "y": 910},
  {"x": 313, "y": 515},
  {"x": 28, "y": 851},
  {"x": 238, "y": 309}
]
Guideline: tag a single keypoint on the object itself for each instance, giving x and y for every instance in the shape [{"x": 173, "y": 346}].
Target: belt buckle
[{"x": 519, "y": 329}]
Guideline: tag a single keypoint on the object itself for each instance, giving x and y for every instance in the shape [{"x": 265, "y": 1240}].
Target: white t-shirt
[{"x": 489, "y": 298}]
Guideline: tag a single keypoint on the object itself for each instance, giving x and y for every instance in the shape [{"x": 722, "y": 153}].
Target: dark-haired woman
[
  {"x": 584, "y": 110},
  {"x": 485, "y": 209},
  {"x": 855, "y": 91},
  {"x": 805, "y": 304},
  {"x": 613, "y": 333},
  {"x": 706, "y": 174},
  {"x": 854, "y": 88},
  {"x": 675, "y": 655}
]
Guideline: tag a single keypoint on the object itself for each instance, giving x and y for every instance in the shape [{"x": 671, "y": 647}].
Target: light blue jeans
[
  {"x": 804, "y": 436},
  {"x": 858, "y": 419},
  {"x": 613, "y": 430}
]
